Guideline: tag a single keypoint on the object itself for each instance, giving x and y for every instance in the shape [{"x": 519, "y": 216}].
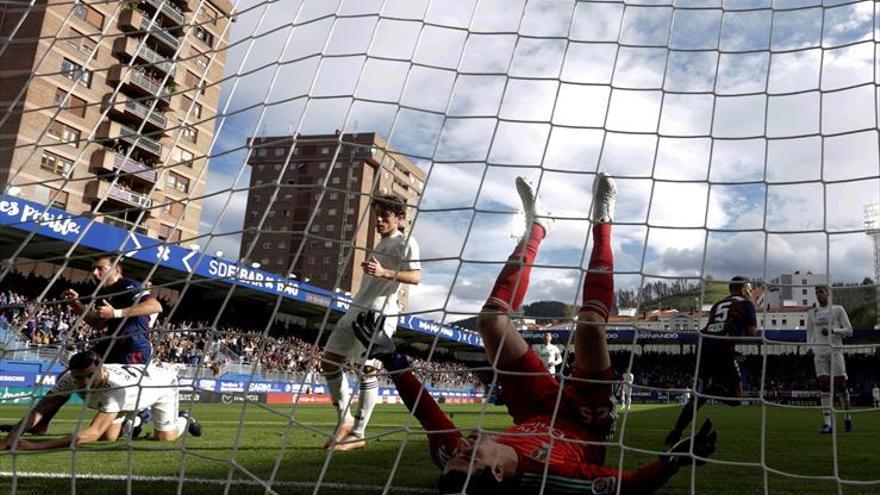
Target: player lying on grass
[
  {"x": 116, "y": 391},
  {"x": 557, "y": 442},
  {"x": 123, "y": 313}
]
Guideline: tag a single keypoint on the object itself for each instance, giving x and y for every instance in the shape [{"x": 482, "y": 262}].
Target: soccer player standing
[
  {"x": 718, "y": 373},
  {"x": 827, "y": 324},
  {"x": 557, "y": 442},
  {"x": 124, "y": 311},
  {"x": 392, "y": 262},
  {"x": 549, "y": 353},
  {"x": 627, "y": 389}
]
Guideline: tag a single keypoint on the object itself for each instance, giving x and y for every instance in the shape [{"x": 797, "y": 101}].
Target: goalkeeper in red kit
[{"x": 557, "y": 441}]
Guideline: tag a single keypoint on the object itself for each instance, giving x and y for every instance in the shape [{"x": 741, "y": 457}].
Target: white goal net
[{"x": 227, "y": 154}]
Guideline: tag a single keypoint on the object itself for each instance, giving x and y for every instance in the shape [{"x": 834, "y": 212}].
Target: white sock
[
  {"x": 340, "y": 393},
  {"x": 844, "y": 399},
  {"x": 181, "y": 425},
  {"x": 826, "y": 408},
  {"x": 369, "y": 396}
]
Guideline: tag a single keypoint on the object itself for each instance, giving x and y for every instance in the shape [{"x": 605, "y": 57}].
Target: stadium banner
[
  {"x": 286, "y": 399},
  {"x": 29, "y": 216},
  {"x": 28, "y": 395},
  {"x": 17, "y": 379},
  {"x": 626, "y": 336}
]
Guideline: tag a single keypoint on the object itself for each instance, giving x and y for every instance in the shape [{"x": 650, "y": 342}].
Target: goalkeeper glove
[
  {"x": 704, "y": 446},
  {"x": 368, "y": 327}
]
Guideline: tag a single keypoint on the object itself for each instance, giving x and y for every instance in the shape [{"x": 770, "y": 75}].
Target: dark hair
[
  {"x": 83, "y": 360},
  {"x": 737, "y": 283},
  {"x": 482, "y": 483},
  {"x": 108, "y": 257},
  {"x": 392, "y": 203}
]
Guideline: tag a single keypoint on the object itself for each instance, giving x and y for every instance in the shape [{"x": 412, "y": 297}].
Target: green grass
[{"x": 792, "y": 445}]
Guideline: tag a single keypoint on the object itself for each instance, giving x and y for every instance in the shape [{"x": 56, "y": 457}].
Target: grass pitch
[{"x": 799, "y": 460}]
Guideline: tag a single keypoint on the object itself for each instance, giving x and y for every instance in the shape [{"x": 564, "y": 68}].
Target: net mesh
[{"x": 743, "y": 136}]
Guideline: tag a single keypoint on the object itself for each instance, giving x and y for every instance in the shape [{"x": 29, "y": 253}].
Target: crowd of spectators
[{"x": 287, "y": 349}]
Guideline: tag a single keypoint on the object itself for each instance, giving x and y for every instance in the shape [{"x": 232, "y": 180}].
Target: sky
[{"x": 743, "y": 140}]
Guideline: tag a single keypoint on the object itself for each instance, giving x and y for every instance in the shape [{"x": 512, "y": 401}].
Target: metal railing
[
  {"x": 130, "y": 135},
  {"x": 139, "y": 109},
  {"x": 151, "y": 87},
  {"x": 169, "y": 10},
  {"x": 129, "y": 197},
  {"x": 135, "y": 167},
  {"x": 158, "y": 32}
]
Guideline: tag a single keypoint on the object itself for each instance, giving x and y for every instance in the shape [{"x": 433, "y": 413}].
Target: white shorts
[
  {"x": 343, "y": 342},
  {"x": 829, "y": 363},
  {"x": 166, "y": 411}
]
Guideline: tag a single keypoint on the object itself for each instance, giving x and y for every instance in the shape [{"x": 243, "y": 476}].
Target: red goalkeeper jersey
[{"x": 565, "y": 455}]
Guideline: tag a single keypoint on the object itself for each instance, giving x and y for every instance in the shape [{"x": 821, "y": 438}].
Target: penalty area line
[{"x": 212, "y": 481}]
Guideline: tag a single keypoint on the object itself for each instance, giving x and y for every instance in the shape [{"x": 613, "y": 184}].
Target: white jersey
[
  {"x": 832, "y": 318},
  {"x": 876, "y": 393},
  {"x": 550, "y": 355},
  {"x": 129, "y": 388},
  {"x": 395, "y": 252},
  {"x": 628, "y": 379}
]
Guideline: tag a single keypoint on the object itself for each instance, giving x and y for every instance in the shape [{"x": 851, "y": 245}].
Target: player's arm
[
  {"x": 96, "y": 430},
  {"x": 148, "y": 305},
  {"x": 845, "y": 329},
  {"x": 49, "y": 403},
  {"x": 91, "y": 317}
]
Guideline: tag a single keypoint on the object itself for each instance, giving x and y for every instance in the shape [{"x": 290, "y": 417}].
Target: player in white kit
[
  {"x": 627, "y": 390},
  {"x": 827, "y": 325},
  {"x": 392, "y": 262},
  {"x": 549, "y": 353},
  {"x": 117, "y": 392},
  {"x": 876, "y": 393}
]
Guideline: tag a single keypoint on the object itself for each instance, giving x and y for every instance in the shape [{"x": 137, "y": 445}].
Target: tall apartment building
[
  {"x": 364, "y": 165},
  {"x": 794, "y": 289},
  {"x": 94, "y": 139}
]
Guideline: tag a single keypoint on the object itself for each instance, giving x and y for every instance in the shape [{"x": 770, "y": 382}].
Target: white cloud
[{"x": 734, "y": 161}]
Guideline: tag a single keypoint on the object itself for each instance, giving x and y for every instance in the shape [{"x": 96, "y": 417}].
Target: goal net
[{"x": 226, "y": 157}]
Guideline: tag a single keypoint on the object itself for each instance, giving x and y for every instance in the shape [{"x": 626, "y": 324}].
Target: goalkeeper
[{"x": 557, "y": 440}]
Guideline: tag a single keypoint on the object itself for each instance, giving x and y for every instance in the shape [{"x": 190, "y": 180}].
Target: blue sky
[{"x": 723, "y": 131}]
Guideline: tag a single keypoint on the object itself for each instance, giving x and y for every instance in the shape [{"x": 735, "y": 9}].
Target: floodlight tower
[{"x": 872, "y": 228}]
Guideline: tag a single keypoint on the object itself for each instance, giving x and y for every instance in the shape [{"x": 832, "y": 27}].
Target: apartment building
[
  {"x": 108, "y": 108},
  {"x": 353, "y": 167}
]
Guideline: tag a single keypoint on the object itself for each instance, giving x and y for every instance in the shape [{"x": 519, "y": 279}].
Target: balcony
[
  {"x": 124, "y": 224},
  {"x": 140, "y": 82},
  {"x": 161, "y": 35},
  {"x": 168, "y": 10},
  {"x": 126, "y": 48},
  {"x": 113, "y": 131},
  {"x": 134, "y": 112},
  {"x": 109, "y": 161},
  {"x": 100, "y": 189}
]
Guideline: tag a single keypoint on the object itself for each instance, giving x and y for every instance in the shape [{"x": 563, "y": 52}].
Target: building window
[
  {"x": 334, "y": 180},
  {"x": 204, "y": 36},
  {"x": 278, "y": 151},
  {"x": 773, "y": 322},
  {"x": 332, "y": 212},
  {"x": 337, "y": 165},
  {"x": 203, "y": 61},
  {"x": 76, "y": 72},
  {"x": 804, "y": 292},
  {"x": 80, "y": 42},
  {"x": 190, "y": 133},
  {"x": 287, "y": 213},
  {"x": 331, "y": 228},
  {"x": 196, "y": 107},
  {"x": 282, "y": 245},
  {"x": 326, "y": 260},
  {"x": 56, "y": 164},
  {"x": 174, "y": 209},
  {"x": 288, "y": 197},
  {"x": 168, "y": 233},
  {"x": 47, "y": 196},
  {"x": 267, "y": 245},
  {"x": 182, "y": 157},
  {"x": 88, "y": 14},
  {"x": 194, "y": 81},
  {"x": 177, "y": 182},
  {"x": 328, "y": 244},
  {"x": 262, "y": 151},
  {"x": 334, "y": 195},
  {"x": 75, "y": 106},
  {"x": 316, "y": 227},
  {"x": 802, "y": 323},
  {"x": 311, "y": 261},
  {"x": 276, "y": 167},
  {"x": 63, "y": 134}
]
